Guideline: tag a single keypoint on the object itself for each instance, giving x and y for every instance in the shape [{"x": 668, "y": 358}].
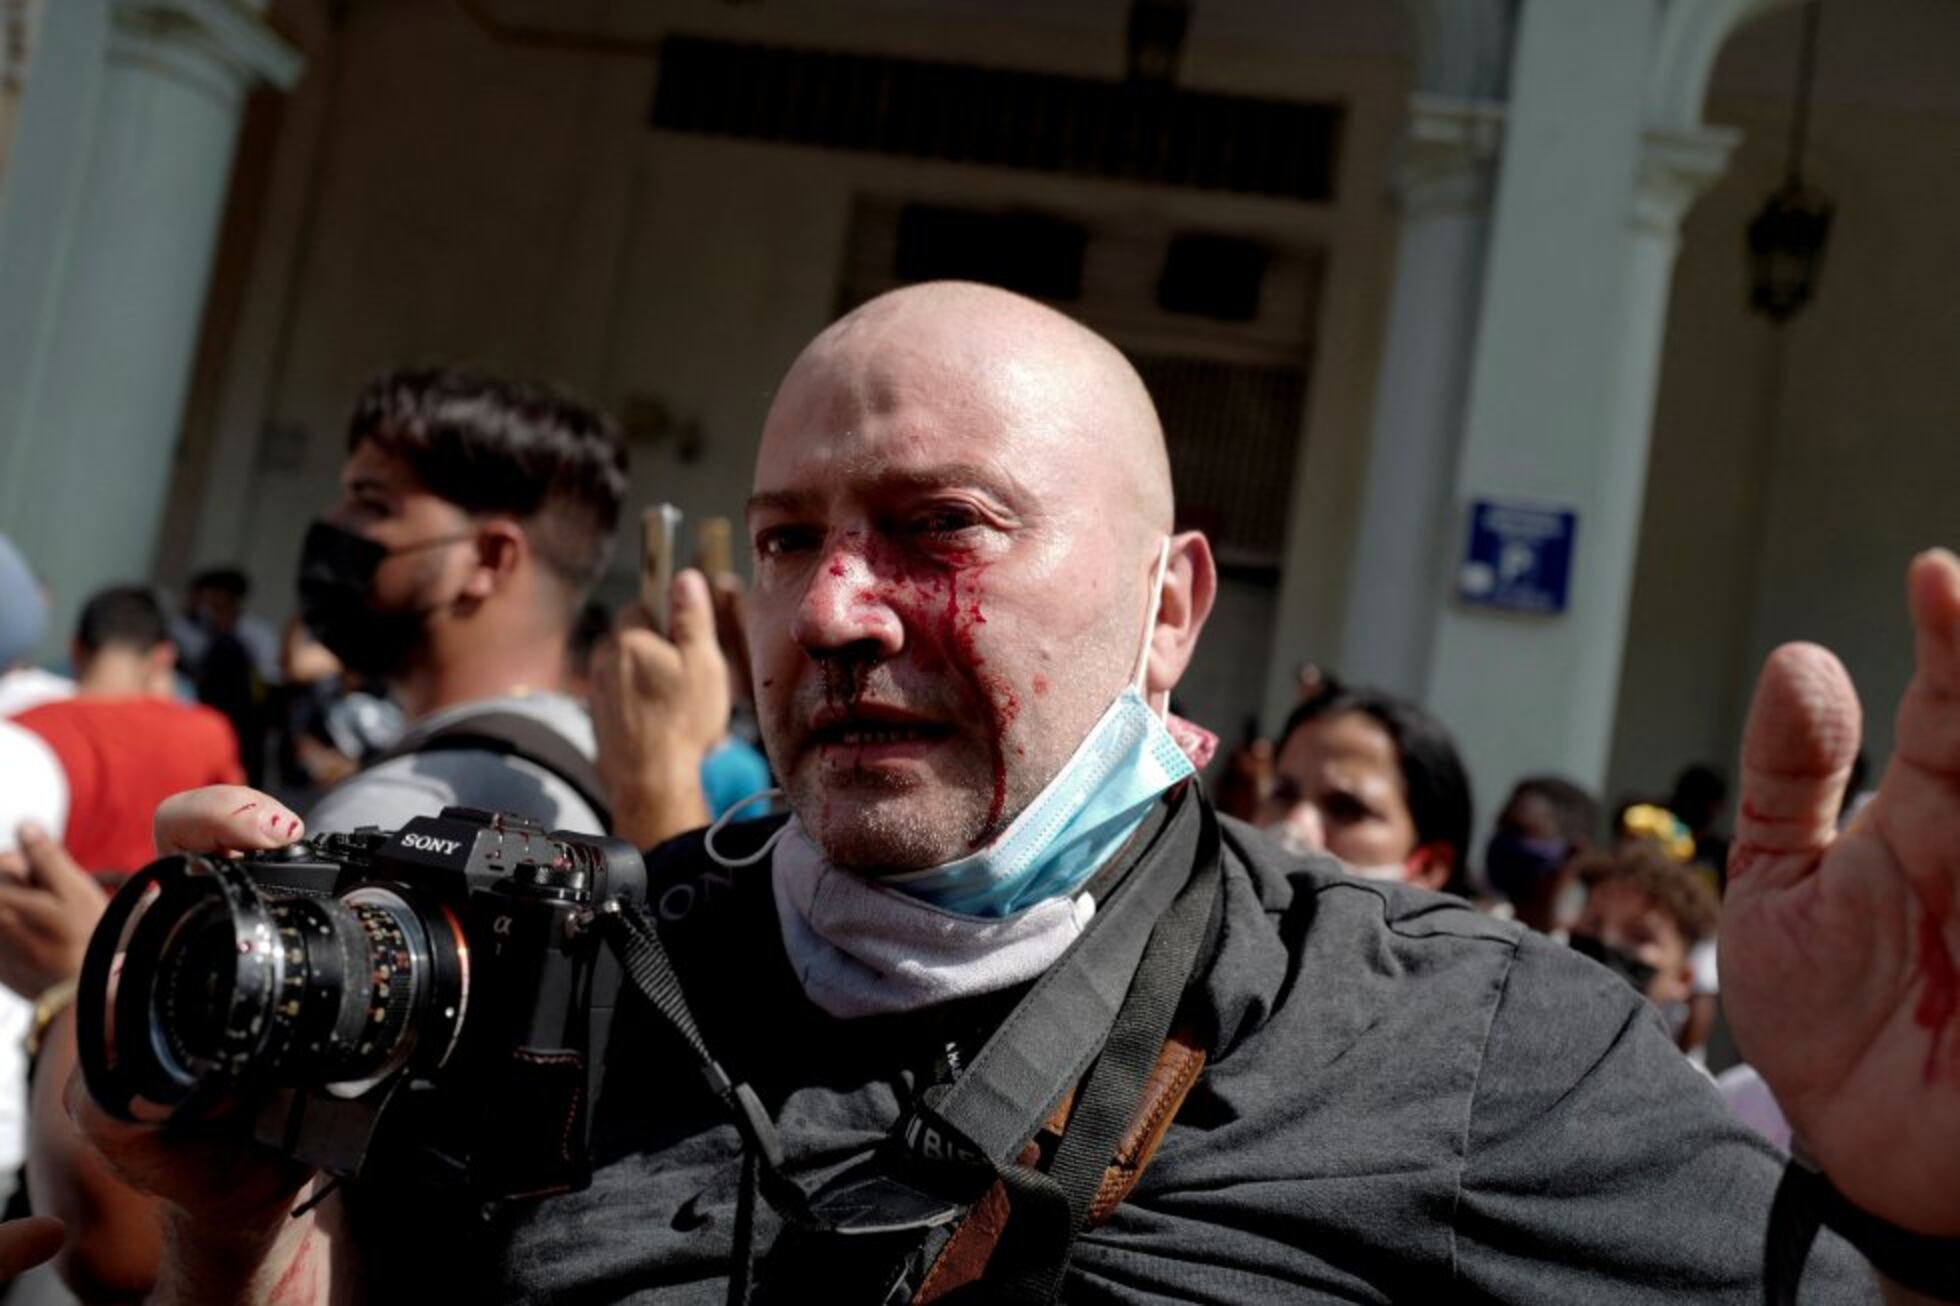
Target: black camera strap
[
  {"x": 645, "y": 957},
  {"x": 1051, "y": 1207},
  {"x": 1108, "y": 1002}
]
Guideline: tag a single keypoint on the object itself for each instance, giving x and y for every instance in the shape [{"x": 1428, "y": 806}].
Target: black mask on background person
[
  {"x": 1517, "y": 864},
  {"x": 336, "y": 600},
  {"x": 1624, "y": 964}
]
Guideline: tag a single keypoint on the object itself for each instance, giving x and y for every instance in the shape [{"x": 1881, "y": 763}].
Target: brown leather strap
[
  {"x": 963, "y": 1260},
  {"x": 1171, "y": 1078}
]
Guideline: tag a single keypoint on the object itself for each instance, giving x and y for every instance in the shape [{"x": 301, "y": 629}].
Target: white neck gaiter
[{"x": 861, "y": 949}]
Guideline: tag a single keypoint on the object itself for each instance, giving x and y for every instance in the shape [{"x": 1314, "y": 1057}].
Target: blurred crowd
[{"x": 439, "y": 658}]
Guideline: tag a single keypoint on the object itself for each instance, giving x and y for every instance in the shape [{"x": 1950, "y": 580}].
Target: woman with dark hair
[{"x": 1376, "y": 781}]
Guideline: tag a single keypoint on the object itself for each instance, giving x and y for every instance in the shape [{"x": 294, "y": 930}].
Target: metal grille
[
  {"x": 961, "y": 113},
  {"x": 1233, "y": 431}
]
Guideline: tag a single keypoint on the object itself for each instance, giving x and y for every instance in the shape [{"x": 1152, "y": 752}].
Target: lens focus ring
[{"x": 391, "y": 983}]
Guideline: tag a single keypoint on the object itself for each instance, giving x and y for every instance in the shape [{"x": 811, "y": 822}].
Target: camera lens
[
  {"x": 220, "y": 985},
  {"x": 339, "y": 1009},
  {"x": 194, "y": 991}
]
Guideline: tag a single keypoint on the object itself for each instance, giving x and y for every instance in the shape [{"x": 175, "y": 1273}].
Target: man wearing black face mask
[
  {"x": 474, "y": 516},
  {"x": 1546, "y": 824}
]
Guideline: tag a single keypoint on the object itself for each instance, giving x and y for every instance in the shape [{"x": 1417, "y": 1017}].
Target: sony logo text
[{"x": 428, "y": 843}]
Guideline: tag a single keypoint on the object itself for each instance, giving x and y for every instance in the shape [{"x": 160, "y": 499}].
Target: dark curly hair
[{"x": 1681, "y": 893}]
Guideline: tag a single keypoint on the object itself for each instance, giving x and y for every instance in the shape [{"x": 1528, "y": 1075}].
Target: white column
[
  {"x": 1355, "y": 538},
  {"x": 1562, "y": 389},
  {"x": 1396, "y": 580},
  {"x": 117, "y": 181}
]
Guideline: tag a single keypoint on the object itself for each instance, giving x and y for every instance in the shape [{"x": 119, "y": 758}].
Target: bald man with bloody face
[
  {"x": 970, "y": 605},
  {"x": 960, "y": 502}
]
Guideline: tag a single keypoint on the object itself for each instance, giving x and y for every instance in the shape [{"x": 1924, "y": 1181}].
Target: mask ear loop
[
  {"x": 721, "y": 823},
  {"x": 1137, "y": 681}
]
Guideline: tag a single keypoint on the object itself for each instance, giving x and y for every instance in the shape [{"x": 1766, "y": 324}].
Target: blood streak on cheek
[
  {"x": 939, "y": 599},
  {"x": 961, "y": 623}
]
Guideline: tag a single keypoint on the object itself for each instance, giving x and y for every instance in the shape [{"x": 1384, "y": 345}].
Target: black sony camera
[{"x": 446, "y": 985}]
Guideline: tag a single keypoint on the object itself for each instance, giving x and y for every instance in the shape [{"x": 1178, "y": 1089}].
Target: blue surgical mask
[{"x": 1093, "y": 804}]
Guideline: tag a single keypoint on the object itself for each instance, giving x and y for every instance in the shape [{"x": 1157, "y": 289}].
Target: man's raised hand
[
  {"x": 660, "y": 704},
  {"x": 1841, "y": 952}
]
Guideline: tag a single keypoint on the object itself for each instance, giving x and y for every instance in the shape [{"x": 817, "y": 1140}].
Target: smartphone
[
  {"x": 714, "y": 545},
  {"x": 658, "y": 527}
]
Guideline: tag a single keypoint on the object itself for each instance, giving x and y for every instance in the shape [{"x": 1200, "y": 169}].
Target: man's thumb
[{"x": 1797, "y": 749}]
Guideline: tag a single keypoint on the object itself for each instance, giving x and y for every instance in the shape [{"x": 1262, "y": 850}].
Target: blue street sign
[{"x": 1518, "y": 557}]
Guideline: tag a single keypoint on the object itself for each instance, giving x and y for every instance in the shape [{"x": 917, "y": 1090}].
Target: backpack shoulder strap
[{"x": 515, "y": 734}]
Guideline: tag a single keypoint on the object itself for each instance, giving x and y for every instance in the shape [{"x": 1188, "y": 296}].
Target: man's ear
[
  {"x": 501, "y": 549},
  {"x": 1190, "y": 587},
  {"x": 1430, "y": 866}
]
